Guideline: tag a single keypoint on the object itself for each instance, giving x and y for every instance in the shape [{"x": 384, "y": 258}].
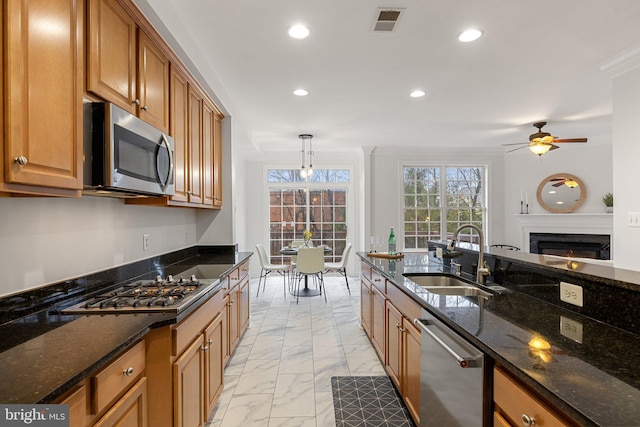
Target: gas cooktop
[{"x": 144, "y": 296}]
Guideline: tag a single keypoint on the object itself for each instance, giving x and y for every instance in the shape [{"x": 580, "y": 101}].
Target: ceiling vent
[{"x": 386, "y": 19}]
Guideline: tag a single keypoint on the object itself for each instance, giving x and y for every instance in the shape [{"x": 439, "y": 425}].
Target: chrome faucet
[{"x": 483, "y": 267}]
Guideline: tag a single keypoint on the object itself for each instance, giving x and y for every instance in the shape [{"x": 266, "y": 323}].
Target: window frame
[{"x": 443, "y": 208}]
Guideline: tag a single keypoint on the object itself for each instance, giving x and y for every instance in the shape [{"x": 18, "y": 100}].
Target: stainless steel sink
[
  {"x": 436, "y": 280},
  {"x": 469, "y": 291},
  {"x": 447, "y": 285}
]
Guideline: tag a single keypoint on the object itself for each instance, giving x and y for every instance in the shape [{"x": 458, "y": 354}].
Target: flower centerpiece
[{"x": 307, "y": 235}]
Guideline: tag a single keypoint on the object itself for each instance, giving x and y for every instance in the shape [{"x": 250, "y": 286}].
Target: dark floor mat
[{"x": 368, "y": 402}]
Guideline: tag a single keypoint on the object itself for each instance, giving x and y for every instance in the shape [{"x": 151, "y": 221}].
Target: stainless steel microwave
[{"x": 125, "y": 156}]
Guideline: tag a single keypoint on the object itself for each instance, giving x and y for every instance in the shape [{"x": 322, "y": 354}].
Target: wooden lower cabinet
[
  {"x": 514, "y": 405},
  {"x": 188, "y": 379},
  {"x": 77, "y": 402},
  {"x": 213, "y": 363},
  {"x": 378, "y": 326},
  {"x": 394, "y": 344},
  {"x": 130, "y": 410},
  {"x": 365, "y": 306}
]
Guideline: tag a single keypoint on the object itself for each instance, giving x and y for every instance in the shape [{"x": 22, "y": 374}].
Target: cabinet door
[
  {"x": 378, "y": 322},
  {"x": 111, "y": 62},
  {"x": 188, "y": 375},
  {"x": 411, "y": 369},
  {"x": 77, "y": 402},
  {"x": 217, "y": 161},
  {"x": 365, "y": 307},
  {"x": 179, "y": 105},
  {"x": 195, "y": 144},
  {"x": 213, "y": 379},
  {"x": 130, "y": 410},
  {"x": 208, "y": 129},
  {"x": 234, "y": 330},
  {"x": 394, "y": 344},
  {"x": 43, "y": 93},
  {"x": 225, "y": 331},
  {"x": 153, "y": 83},
  {"x": 244, "y": 310}
]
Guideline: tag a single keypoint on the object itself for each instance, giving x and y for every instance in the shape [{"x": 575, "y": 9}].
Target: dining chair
[
  {"x": 341, "y": 266},
  {"x": 268, "y": 267},
  {"x": 310, "y": 264}
]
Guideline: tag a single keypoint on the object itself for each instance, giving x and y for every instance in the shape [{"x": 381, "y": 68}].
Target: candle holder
[
  {"x": 527, "y": 208},
  {"x": 521, "y": 207}
]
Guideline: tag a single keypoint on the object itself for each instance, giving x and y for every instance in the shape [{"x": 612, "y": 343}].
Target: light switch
[{"x": 633, "y": 219}]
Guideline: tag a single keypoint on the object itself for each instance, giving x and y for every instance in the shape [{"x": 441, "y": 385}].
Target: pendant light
[{"x": 306, "y": 171}]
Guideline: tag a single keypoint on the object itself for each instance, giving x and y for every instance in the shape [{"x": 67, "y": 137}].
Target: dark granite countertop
[
  {"x": 590, "y": 375},
  {"x": 45, "y": 353}
]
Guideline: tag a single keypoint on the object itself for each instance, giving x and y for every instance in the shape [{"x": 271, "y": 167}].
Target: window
[
  {"x": 439, "y": 199},
  {"x": 317, "y": 204}
]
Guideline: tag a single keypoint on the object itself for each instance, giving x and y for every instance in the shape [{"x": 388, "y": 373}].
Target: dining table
[{"x": 306, "y": 291}]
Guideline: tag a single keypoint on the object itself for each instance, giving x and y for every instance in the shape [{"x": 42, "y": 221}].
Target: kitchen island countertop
[{"x": 590, "y": 376}]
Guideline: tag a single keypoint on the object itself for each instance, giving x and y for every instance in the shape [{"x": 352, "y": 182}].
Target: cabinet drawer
[
  {"x": 238, "y": 274},
  {"x": 117, "y": 377},
  {"x": 187, "y": 330},
  {"x": 408, "y": 307},
  {"x": 378, "y": 281},
  {"x": 515, "y": 402}
]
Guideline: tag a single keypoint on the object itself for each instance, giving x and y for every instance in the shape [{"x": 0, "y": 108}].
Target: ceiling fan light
[
  {"x": 571, "y": 183},
  {"x": 539, "y": 148}
]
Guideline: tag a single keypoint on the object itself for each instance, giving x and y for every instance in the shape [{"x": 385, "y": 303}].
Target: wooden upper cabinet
[
  {"x": 195, "y": 145},
  {"x": 179, "y": 101},
  {"x": 208, "y": 132},
  {"x": 153, "y": 83},
  {"x": 43, "y": 75},
  {"x": 217, "y": 160},
  {"x": 111, "y": 62},
  {"x": 125, "y": 66}
]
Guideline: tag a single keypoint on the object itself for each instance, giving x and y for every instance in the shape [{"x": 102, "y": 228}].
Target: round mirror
[{"x": 561, "y": 193}]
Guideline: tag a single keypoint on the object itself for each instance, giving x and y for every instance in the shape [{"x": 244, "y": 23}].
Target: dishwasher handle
[{"x": 461, "y": 361}]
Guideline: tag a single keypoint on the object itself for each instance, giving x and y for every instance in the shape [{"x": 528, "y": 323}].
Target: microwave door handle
[{"x": 164, "y": 184}]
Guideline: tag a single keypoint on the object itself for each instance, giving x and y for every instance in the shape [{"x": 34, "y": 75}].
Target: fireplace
[{"x": 596, "y": 246}]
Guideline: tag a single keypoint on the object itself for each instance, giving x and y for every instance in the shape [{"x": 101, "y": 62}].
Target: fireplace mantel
[{"x": 579, "y": 223}]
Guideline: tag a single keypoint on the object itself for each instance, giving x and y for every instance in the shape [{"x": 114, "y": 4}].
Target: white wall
[
  {"x": 626, "y": 171},
  {"x": 46, "y": 240},
  {"x": 591, "y": 162}
]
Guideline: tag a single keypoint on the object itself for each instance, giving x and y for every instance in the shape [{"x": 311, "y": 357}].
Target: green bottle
[{"x": 392, "y": 242}]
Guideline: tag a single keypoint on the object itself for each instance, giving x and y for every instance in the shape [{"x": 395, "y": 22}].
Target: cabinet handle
[
  {"x": 205, "y": 348},
  {"x": 145, "y": 108},
  {"x": 21, "y": 160},
  {"x": 376, "y": 280},
  {"x": 136, "y": 101},
  {"x": 400, "y": 328},
  {"x": 528, "y": 421},
  {"x": 209, "y": 342},
  {"x": 128, "y": 372}
]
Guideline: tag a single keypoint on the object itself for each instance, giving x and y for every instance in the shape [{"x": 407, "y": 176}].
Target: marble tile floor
[{"x": 280, "y": 373}]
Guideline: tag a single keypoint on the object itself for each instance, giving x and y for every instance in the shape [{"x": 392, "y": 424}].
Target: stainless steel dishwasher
[{"x": 451, "y": 377}]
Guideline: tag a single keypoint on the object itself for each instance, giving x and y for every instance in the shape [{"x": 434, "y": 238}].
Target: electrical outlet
[
  {"x": 571, "y": 293},
  {"x": 145, "y": 242},
  {"x": 571, "y": 329},
  {"x": 633, "y": 219}
]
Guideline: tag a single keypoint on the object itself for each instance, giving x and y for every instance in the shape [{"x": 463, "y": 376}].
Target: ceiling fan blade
[
  {"x": 516, "y": 149},
  {"x": 553, "y": 147},
  {"x": 558, "y": 184},
  {"x": 571, "y": 140},
  {"x": 516, "y": 143}
]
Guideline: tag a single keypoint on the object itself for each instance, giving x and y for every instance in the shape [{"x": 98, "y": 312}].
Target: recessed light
[
  {"x": 417, "y": 93},
  {"x": 470, "y": 35},
  {"x": 299, "y": 32},
  {"x": 301, "y": 92}
]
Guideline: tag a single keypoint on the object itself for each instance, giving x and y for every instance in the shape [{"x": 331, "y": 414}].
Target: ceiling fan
[
  {"x": 560, "y": 181},
  {"x": 541, "y": 142}
]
